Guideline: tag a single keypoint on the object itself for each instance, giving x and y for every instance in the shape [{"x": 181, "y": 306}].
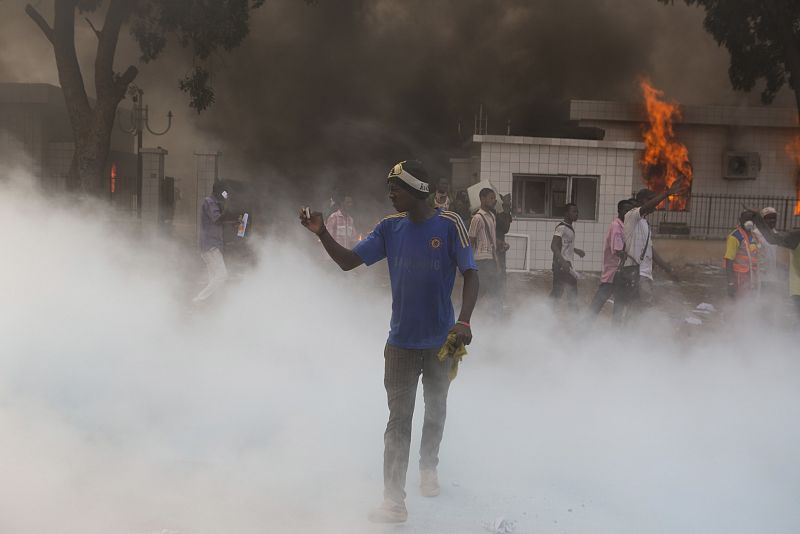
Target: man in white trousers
[{"x": 212, "y": 218}]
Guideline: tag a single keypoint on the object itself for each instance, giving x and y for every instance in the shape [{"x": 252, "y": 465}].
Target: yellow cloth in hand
[{"x": 455, "y": 350}]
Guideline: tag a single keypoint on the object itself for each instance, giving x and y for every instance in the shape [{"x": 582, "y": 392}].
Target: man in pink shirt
[
  {"x": 613, "y": 252},
  {"x": 340, "y": 224}
]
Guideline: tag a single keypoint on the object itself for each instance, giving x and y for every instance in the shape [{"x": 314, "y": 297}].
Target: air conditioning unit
[{"x": 741, "y": 165}]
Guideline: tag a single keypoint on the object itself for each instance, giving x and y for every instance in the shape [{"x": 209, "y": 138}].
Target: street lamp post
[{"x": 140, "y": 121}]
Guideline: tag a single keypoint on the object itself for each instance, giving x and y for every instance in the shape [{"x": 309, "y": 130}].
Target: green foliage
[
  {"x": 763, "y": 38},
  {"x": 204, "y": 26},
  {"x": 197, "y": 86}
]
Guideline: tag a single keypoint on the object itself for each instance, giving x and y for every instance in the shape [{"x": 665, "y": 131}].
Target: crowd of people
[
  {"x": 626, "y": 278},
  {"x": 431, "y": 236}
]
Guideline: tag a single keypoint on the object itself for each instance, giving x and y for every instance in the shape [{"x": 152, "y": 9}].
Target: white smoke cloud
[{"x": 124, "y": 410}]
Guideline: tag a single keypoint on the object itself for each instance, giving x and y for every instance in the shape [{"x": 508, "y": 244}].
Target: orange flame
[
  {"x": 793, "y": 150},
  {"x": 664, "y": 158},
  {"x": 113, "y": 177}
]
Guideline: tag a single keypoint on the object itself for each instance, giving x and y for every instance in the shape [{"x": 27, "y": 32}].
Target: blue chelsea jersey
[{"x": 422, "y": 260}]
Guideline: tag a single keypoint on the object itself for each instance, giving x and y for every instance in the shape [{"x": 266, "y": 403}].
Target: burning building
[{"x": 732, "y": 155}]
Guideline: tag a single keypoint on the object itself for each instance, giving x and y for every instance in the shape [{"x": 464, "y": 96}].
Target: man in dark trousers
[
  {"x": 423, "y": 247},
  {"x": 504, "y": 220},
  {"x": 563, "y": 247}
]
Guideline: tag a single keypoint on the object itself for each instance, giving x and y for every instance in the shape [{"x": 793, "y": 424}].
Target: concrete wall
[{"x": 678, "y": 252}]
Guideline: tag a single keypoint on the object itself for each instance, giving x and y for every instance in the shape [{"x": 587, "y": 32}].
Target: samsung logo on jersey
[{"x": 417, "y": 265}]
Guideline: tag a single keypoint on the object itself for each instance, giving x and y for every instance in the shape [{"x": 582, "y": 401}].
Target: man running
[{"x": 423, "y": 247}]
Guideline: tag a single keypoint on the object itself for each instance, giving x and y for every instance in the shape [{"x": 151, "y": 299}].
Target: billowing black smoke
[
  {"x": 336, "y": 92},
  {"x": 344, "y": 88}
]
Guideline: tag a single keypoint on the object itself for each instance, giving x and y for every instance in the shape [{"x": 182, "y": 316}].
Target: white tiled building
[{"x": 543, "y": 174}]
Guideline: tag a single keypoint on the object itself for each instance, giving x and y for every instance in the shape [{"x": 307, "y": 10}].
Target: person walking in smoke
[
  {"x": 742, "y": 258},
  {"x": 504, "y": 221},
  {"x": 340, "y": 224},
  {"x": 483, "y": 237},
  {"x": 424, "y": 247},
  {"x": 461, "y": 205},
  {"x": 613, "y": 257},
  {"x": 441, "y": 197},
  {"x": 768, "y": 276},
  {"x": 638, "y": 262},
  {"x": 789, "y": 240},
  {"x": 563, "y": 247},
  {"x": 646, "y": 289},
  {"x": 212, "y": 217}
]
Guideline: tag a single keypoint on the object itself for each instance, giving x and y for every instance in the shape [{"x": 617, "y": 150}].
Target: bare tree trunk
[{"x": 91, "y": 126}]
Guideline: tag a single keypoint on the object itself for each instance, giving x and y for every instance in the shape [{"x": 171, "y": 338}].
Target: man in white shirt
[
  {"x": 768, "y": 255},
  {"x": 646, "y": 292},
  {"x": 639, "y": 247},
  {"x": 563, "y": 247}
]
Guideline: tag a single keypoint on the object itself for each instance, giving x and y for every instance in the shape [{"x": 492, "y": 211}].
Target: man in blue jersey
[{"x": 423, "y": 246}]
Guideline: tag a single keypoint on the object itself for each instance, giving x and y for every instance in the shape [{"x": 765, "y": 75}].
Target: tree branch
[
  {"x": 95, "y": 30},
  {"x": 39, "y": 20},
  {"x": 122, "y": 81},
  {"x": 104, "y": 79},
  {"x": 69, "y": 70}
]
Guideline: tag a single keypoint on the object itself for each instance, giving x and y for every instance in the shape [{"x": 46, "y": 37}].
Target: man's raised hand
[
  {"x": 312, "y": 221},
  {"x": 677, "y": 185}
]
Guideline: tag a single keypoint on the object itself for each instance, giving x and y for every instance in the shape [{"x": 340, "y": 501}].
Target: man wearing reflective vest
[{"x": 741, "y": 257}]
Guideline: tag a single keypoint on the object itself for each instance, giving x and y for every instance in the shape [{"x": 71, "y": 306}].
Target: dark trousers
[
  {"x": 489, "y": 274},
  {"x": 604, "y": 291},
  {"x": 502, "y": 276},
  {"x": 563, "y": 282},
  {"x": 401, "y": 374}
]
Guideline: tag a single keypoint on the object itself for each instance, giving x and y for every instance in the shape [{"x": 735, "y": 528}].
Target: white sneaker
[
  {"x": 429, "y": 483},
  {"x": 389, "y": 512}
]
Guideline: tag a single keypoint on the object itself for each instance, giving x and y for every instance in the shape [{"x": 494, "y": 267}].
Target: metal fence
[{"x": 715, "y": 216}]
